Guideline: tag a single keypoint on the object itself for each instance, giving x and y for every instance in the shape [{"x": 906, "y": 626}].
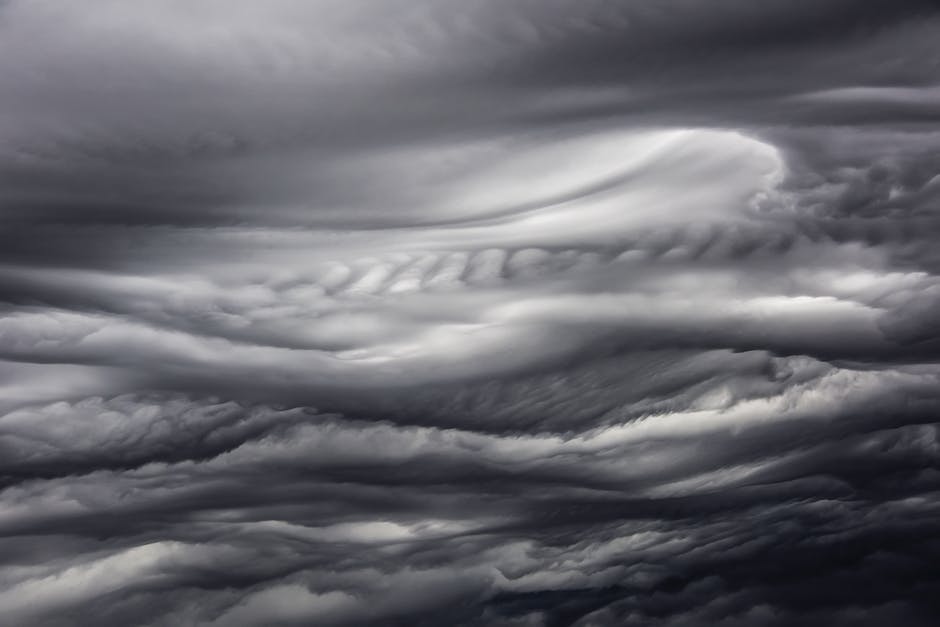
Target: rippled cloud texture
[{"x": 469, "y": 312}]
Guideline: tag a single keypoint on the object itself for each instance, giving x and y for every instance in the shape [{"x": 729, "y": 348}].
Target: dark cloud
[{"x": 528, "y": 313}]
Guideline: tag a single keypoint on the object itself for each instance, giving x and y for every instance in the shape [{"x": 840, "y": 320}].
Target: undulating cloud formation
[{"x": 512, "y": 313}]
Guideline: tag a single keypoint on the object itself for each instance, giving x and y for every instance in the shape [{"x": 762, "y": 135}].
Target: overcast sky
[{"x": 511, "y": 313}]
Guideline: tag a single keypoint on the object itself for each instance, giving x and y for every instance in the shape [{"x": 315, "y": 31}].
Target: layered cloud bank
[{"x": 527, "y": 313}]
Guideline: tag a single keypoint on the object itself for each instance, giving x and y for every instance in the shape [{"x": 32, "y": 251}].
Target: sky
[{"x": 511, "y": 313}]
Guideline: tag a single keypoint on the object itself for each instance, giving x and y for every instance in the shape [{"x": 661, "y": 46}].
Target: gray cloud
[{"x": 469, "y": 313}]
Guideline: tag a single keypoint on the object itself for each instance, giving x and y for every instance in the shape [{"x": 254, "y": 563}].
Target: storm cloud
[{"x": 469, "y": 312}]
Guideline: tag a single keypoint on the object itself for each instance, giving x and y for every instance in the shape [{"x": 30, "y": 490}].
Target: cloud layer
[{"x": 526, "y": 313}]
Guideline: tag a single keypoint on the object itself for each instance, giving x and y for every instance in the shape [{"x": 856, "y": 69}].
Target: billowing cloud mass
[{"x": 518, "y": 313}]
